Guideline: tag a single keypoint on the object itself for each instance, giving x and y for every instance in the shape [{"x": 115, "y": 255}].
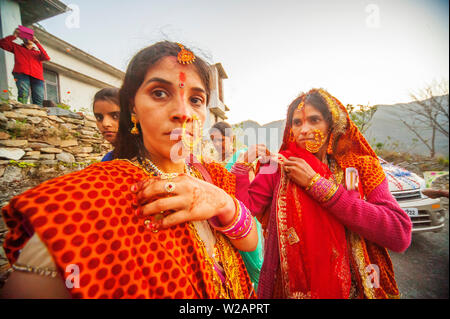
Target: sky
[{"x": 361, "y": 51}]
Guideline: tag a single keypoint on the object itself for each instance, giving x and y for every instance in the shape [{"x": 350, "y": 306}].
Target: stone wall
[{"x": 39, "y": 143}]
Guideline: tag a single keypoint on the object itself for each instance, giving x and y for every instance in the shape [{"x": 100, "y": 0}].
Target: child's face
[{"x": 107, "y": 116}]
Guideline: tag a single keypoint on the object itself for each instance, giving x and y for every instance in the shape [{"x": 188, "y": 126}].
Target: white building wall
[
  {"x": 80, "y": 76},
  {"x": 9, "y": 20},
  {"x": 78, "y": 94},
  {"x": 69, "y": 60}
]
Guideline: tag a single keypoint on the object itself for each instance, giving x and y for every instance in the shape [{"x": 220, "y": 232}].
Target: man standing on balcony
[{"x": 28, "y": 72}]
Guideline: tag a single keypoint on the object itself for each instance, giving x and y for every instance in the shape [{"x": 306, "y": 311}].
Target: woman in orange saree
[{"x": 155, "y": 223}]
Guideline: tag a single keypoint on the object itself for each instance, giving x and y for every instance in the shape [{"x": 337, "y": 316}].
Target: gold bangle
[
  {"x": 314, "y": 179},
  {"x": 330, "y": 193}
]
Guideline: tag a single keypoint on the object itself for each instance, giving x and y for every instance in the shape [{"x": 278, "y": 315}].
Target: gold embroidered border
[
  {"x": 217, "y": 282},
  {"x": 228, "y": 260},
  {"x": 230, "y": 264},
  {"x": 284, "y": 239},
  {"x": 358, "y": 255}
]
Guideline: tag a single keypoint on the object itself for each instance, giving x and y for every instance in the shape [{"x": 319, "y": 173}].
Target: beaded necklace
[{"x": 154, "y": 170}]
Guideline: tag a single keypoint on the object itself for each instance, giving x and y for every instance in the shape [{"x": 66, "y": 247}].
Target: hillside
[{"x": 386, "y": 128}]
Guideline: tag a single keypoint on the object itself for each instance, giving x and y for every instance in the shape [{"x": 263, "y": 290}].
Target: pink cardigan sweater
[{"x": 379, "y": 218}]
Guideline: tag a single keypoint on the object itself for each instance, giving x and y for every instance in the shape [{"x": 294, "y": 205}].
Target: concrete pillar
[{"x": 9, "y": 20}]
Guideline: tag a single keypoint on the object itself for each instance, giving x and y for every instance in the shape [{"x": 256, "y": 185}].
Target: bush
[{"x": 443, "y": 161}]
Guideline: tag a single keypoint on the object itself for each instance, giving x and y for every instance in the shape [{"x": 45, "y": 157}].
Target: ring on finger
[{"x": 169, "y": 187}]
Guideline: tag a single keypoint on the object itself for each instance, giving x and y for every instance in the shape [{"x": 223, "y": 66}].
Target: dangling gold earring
[
  {"x": 319, "y": 139},
  {"x": 134, "y": 130},
  {"x": 291, "y": 136}
]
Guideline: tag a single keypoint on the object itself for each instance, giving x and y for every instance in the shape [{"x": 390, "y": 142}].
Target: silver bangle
[{"x": 40, "y": 271}]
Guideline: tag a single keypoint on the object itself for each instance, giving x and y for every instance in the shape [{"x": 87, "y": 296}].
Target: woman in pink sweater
[{"x": 330, "y": 217}]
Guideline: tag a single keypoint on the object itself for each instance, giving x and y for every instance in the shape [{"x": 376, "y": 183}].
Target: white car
[{"x": 426, "y": 214}]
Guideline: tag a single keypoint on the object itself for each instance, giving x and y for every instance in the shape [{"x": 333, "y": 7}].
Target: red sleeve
[
  {"x": 379, "y": 218},
  {"x": 7, "y": 43},
  {"x": 43, "y": 56}
]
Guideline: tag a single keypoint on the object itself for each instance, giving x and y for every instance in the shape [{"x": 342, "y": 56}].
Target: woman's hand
[
  {"x": 298, "y": 170},
  {"x": 190, "y": 199},
  {"x": 253, "y": 152}
]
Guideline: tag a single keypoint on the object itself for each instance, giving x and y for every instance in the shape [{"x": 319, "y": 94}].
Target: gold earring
[
  {"x": 319, "y": 139},
  {"x": 134, "y": 130}
]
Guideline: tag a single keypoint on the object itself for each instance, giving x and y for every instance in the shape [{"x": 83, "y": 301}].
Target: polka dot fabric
[
  {"x": 221, "y": 176},
  {"x": 353, "y": 150},
  {"x": 86, "y": 218}
]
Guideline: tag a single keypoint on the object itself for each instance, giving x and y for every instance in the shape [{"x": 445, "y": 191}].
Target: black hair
[
  {"x": 223, "y": 127},
  {"x": 107, "y": 94}
]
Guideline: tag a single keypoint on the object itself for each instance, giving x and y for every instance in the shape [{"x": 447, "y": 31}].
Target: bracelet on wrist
[
  {"x": 40, "y": 271},
  {"x": 217, "y": 225},
  {"x": 241, "y": 225},
  {"x": 323, "y": 190},
  {"x": 314, "y": 179}
]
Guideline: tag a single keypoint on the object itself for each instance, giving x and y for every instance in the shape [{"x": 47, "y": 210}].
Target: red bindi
[{"x": 182, "y": 78}]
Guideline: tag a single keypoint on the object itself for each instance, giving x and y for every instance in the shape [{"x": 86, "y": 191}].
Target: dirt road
[{"x": 422, "y": 271}]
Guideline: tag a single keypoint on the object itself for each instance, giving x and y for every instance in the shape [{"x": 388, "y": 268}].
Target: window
[{"x": 51, "y": 86}]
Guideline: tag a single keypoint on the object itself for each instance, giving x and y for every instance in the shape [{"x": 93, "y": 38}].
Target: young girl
[{"x": 107, "y": 111}]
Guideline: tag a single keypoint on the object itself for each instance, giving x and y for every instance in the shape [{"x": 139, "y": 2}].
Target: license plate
[{"x": 412, "y": 211}]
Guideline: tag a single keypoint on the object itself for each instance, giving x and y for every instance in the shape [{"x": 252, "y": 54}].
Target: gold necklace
[{"x": 156, "y": 171}]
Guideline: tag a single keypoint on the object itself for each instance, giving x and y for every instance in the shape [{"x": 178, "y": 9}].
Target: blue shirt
[{"x": 108, "y": 157}]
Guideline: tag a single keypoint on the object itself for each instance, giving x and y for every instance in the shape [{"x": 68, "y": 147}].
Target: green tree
[{"x": 361, "y": 115}]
